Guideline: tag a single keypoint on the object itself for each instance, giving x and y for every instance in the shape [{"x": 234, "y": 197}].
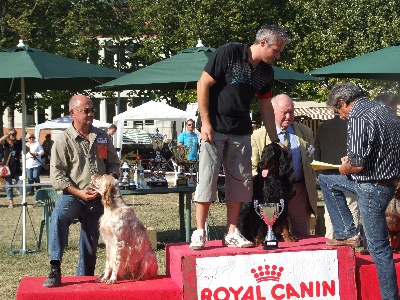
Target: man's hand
[
  {"x": 207, "y": 133},
  {"x": 284, "y": 147},
  {"x": 87, "y": 195}
]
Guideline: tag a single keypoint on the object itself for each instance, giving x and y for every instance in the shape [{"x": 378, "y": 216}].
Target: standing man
[
  {"x": 371, "y": 171},
  {"x": 189, "y": 139},
  {"x": 230, "y": 80},
  {"x": 304, "y": 201},
  {"x": 112, "y": 130},
  {"x": 78, "y": 152},
  {"x": 330, "y": 147}
]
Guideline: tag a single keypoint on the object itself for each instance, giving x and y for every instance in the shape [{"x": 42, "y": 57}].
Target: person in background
[
  {"x": 112, "y": 130},
  {"x": 34, "y": 152},
  {"x": 304, "y": 201},
  {"x": 371, "y": 171},
  {"x": 189, "y": 139},
  {"x": 330, "y": 147},
  {"x": 12, "y": 158},
  {"x": 231, "y": 79},
  {"x": 388, "y": 99},
  {"x": 47, "y": 145},
  {"x": 78, "y": 152}
]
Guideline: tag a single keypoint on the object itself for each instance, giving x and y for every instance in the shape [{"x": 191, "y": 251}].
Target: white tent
[
  {"x": 63, "y": 123},
  {"x": 151, "y": 110}
]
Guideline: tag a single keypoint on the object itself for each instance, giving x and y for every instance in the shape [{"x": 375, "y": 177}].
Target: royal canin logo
[
  {"x": 317, "y": 289},
  {"x": 267, "y": 273}
]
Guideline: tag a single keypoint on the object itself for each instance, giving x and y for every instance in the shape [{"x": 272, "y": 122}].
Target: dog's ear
[
  {"x": 283, "y": 162},
  {"x": 107, "y": 195}
]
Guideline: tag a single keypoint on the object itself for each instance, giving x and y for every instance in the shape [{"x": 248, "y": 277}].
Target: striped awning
[
  {"x": 318, "y": 113},
  {"x": 136, "y": 136}
]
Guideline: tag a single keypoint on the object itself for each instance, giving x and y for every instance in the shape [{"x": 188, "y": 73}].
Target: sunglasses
[
  {"x": 32, "y": 137},
  {"x": 13, "y": 134},
  {"x": 189, "y": 124},
  {"x": 86, "y": 111}
]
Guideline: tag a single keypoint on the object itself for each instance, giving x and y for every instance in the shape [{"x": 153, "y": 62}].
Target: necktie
[{"x": 286, "y": 142}]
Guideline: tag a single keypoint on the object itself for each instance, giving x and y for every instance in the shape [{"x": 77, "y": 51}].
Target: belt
[{"x": 387, "y": 182}]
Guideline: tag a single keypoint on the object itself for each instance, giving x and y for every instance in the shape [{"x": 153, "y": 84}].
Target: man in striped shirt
[{"x": 371, "y": 171}]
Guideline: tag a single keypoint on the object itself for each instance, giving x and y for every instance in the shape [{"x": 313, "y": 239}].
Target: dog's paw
[
  {"x": 111, "y": 281},
  {"x": 289, "y": 238}
]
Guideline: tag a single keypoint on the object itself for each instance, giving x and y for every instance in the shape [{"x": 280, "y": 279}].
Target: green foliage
[{"x": 323, "y": 32}]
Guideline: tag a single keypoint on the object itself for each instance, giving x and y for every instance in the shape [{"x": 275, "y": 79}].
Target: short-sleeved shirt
[
  {"x": 190, "y": 140},
  {"x": 74, "y": 158},
  {"x": 237, "y": 83}
]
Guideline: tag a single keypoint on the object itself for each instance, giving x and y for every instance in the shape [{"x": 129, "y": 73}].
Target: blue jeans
[
  {"x": 373, "y": 200},
  {"x": 33, "y": 175},
  {"x": 9, "y": 181},
  {"x": 68, "y": 208}
]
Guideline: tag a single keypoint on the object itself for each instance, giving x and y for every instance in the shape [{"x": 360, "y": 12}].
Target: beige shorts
[{"x": 234, "y": 152}]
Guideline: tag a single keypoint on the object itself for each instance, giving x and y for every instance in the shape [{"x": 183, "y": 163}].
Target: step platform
[
  {"x": 367, "y": 278},
  {"x": 307, "y": 269},
  {"x": 85, "y": 288}
]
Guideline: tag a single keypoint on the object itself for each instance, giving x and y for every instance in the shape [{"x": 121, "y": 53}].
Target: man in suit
[
  {"x": 330, "y": 147},
  {"x": 304, "y": 202}
]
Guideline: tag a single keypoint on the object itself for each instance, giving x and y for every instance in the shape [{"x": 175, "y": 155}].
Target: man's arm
[
  {"x": 268, "y": 117},
  {"x": 203, "y": 100},
  {"x": 346, "y": 168}
]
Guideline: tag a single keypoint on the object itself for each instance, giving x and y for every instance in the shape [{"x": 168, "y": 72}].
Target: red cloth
[{"x": 84, "y": 288}]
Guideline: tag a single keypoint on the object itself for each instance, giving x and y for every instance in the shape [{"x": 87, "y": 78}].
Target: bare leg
[
  {"x": 202, "y": 213},
  {"x": 232, "y": 217}
]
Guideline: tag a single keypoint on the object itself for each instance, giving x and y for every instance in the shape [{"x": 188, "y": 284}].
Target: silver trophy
[{"x": 269, "y": 213}]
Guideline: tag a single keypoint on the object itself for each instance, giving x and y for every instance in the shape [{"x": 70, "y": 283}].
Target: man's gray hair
[
  {"x": 276, "y": 99},
  {"x": 347, "y": 91},
  {"x": 271, "y": 34}
]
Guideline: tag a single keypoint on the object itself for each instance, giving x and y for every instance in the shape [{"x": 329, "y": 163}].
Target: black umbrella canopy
[
  {"x": 182, "y": 71},
  {"x": 382, "y": 64},
  {"x": 45, "y": 71}
]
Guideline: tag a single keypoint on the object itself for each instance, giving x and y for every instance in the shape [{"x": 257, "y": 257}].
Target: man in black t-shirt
[{"x": 228, "y": 84}]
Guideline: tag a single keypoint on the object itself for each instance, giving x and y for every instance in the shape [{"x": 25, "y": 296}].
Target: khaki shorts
[{"x": 234, "y": 152}]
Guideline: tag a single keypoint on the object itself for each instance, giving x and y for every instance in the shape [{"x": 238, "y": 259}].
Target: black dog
[{"x": 269, "y": 186}]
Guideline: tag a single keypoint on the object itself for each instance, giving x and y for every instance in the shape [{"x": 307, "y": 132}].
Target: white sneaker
[
  {"x": 198, "y": 239},
  {"x": 236, "y": 239}
]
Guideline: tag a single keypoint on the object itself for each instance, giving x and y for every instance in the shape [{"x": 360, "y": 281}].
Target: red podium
[{"x": 307, "y": 269}]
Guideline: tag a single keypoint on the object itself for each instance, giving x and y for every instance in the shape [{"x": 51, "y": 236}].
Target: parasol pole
[{"x": 24, "y": 206}]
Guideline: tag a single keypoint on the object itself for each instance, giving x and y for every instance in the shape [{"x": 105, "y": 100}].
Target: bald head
[
  {"x": 78, "y": 100},
  {"x": 284, "y": 110}
]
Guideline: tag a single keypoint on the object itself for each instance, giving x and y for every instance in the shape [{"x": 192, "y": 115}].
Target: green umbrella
[
  {"x": 181, "y": 72},
  {"x": 25, "y": 69},
  {"x": 45, "y": 71},
  {"x": 381, "y": 64}
]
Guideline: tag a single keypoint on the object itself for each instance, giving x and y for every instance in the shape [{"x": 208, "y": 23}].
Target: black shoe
[{"x": 54, "y": 279}]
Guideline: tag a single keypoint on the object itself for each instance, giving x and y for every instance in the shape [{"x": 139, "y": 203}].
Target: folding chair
[{"x": 47, "y": 198}]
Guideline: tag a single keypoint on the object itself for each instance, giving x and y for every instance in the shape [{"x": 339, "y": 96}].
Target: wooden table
[{"x": 185, "y": 192}]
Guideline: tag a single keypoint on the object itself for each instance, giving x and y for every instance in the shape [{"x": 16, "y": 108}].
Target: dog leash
[{"x": 225, "y": 168}]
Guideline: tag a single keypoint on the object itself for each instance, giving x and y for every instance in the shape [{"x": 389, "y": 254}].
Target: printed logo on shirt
[{"x": 102, "y": 141}]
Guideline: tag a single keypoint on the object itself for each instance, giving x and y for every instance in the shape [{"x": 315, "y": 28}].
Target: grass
[{"x": 157, "y": 211}]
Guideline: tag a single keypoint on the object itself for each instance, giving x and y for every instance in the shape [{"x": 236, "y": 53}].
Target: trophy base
[
  {"x": 157, "y": 184},
  {"x": 268, "y": 245},
  {"x": 181, "y": 182}
]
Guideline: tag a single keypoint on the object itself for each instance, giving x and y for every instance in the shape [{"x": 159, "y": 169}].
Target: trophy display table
[{"x": 185, "y": 193}]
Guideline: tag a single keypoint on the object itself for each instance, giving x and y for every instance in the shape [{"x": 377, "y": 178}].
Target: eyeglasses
[{"x": 86, "y": 111}]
